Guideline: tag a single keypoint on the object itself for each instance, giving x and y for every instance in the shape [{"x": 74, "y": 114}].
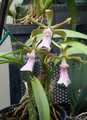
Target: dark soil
[{"x": 8, "y": 114}]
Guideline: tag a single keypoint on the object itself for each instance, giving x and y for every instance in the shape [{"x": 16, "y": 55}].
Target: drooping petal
[
  {"x": 64, "y": 77},
  {"x": 30, "y": 63},
  {"x": 46, "y": 42}
]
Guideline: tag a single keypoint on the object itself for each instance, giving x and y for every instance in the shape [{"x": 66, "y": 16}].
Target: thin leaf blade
[{"x": 41, "y": 100}]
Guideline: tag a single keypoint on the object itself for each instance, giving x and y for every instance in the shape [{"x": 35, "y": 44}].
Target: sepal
[
  {"x": 49, "y": 14},
  {"x": 67, "y": 21},
  {"x": 61, "y": 33}
]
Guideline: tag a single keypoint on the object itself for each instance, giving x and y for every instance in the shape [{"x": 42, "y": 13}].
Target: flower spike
[{"x": 30, "y": 63}]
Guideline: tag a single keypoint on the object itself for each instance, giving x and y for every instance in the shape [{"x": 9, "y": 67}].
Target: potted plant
[
  {"x": 38, "y": 93},
  {"x": 21, "y": 29}
]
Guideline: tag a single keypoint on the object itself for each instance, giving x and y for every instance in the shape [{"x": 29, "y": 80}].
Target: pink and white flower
[
  {"x": 64, "y": 78},
  {"x": 46, "y": 42},
  {"x": 30, "y": 63}
]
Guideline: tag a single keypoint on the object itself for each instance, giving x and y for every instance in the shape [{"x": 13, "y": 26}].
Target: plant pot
[
  {"x": 10, "y": 108},
  {"x": 21, "y": 33},
  {"x": 61, "y": 111}
]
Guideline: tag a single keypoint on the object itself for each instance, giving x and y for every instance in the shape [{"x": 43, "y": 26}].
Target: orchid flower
[
  {"x": 64, "y": 78},
  {"x": 47, "y": 40},
  {"x": 30, "y": 63}
]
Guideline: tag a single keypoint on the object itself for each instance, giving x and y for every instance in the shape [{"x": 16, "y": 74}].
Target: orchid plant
[{"x": 39, "y": 89}]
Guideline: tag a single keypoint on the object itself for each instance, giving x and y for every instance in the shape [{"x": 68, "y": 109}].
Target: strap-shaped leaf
[
  {"x": 81, "y": 102},
  {"x": 80, "y": 107},
  {"x": 41, "y": 100},
  {"x": 38, "y": 9},
  {"x": 47, "y": 4},
  {"x": 71, "y": 33},
  {"x": 61, "y": 33},
  {"x": 18, "y": 3},
  {"x": 72, "y": 12},
  {"x": 19, "y": 64},
  {"x": 9, "y": 56},
  {"x": 76, "y": 44}
]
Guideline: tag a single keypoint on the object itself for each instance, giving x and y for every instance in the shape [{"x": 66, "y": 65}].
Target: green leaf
[
  {"x": 76, "y": 44},
  {"x": 41, "y": 100},
  {"x": 70, "y": 88},
  {"x": 74, "y": 34},
  {"x": 9, "y": 57},
  {"x": 18, "y": 3},
  {"x": 72, "y": 12},
  {"x": 81, "y": 101},
  {"x": 47, "y": 4},
  {"x": 73, "y": 50},
  {"x": 31, "y": 2},
  {"x": 8, "y": 10},
  {"x": 10, "y": 13},
  {"x": 8, "y": 54},
  {"x": 80, "y": 107},
  {"x": 19, "y": 64},
  {"x": 38, "y": 9}
]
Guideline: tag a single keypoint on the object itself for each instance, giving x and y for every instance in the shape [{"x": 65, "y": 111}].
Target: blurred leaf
[
  {"x": 47, "y": 4},
  {"x": 9, "y": 56},
  {"x": 8, "y": 12},
  {"x": 81, "y": 106},
  {"x": 41, "y": 100},
  {"x": 18, "y": 3},
  {"x": 19, "y": 64},
  {"x": 70, "y": 88},
  {"x": 31, "y": 2},
  {"x": 73, "y": 50},
  {"x": 76, "y": 44},
  {"x": 24, "y": 9},
  {"x": 71, "y": 33},
  {"x": 83, "y": 93},
  {"x": 78, "y": 79},
  {"x": 38, "y": 9},
  {"x": 72, "y": 12}
]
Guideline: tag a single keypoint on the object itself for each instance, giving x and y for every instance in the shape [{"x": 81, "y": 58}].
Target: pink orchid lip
[
  {"x": 47, "y": 31},
  {"x": 64, "y": 66},
  {"x": 30, "y": 55}
]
